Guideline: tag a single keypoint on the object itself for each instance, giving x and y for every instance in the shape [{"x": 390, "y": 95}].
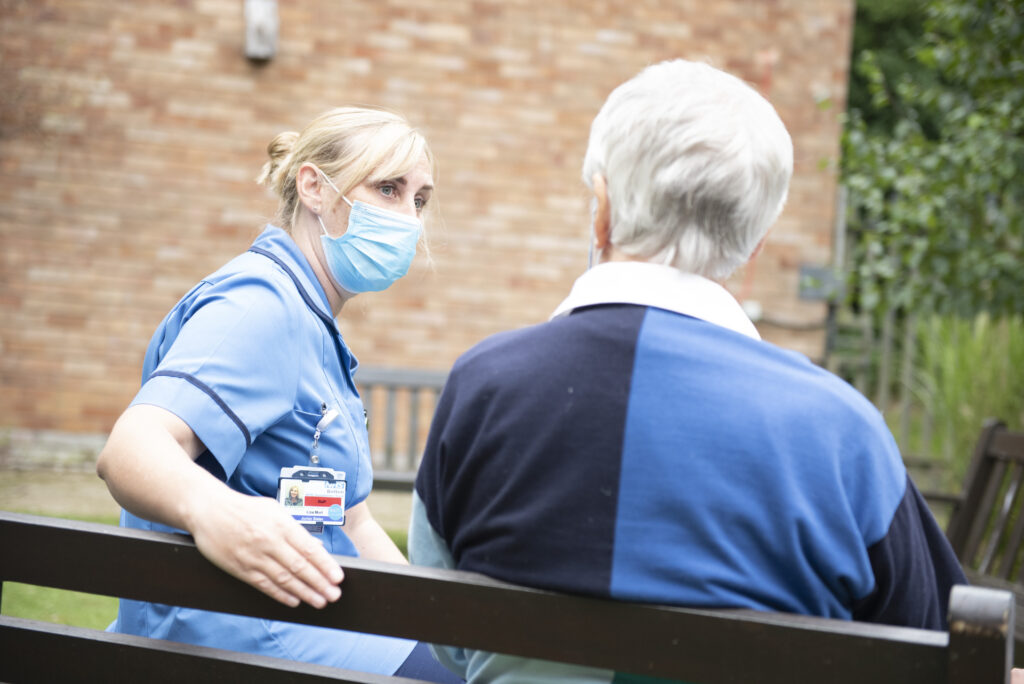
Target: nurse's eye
[
  {"x": 420, "y": 203},
  {"x": 388, "y": 190}
]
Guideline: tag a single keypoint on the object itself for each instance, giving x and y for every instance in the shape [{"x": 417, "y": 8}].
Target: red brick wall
[{"x": 130, "y": 133}]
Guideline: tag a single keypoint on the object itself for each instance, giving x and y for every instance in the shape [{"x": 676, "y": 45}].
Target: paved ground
[{"x": 71, "y": 493}]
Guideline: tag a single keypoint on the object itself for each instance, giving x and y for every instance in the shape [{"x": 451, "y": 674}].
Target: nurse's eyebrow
[{"x": 402, "y": 181}]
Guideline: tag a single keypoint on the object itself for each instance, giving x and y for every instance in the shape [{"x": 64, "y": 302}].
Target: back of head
[
  {"x": 697, "y": 166},
  {"x": 351, "y": 145}
]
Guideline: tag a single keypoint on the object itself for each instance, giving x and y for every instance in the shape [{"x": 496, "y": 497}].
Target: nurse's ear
[{"x": 311, "y": 189}]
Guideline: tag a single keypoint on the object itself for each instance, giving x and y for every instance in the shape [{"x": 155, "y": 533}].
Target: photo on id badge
[{"x": 313, "y": 495}]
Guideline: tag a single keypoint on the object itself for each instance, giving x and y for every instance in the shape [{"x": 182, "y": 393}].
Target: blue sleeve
[
  {"x": 225, "y": 363},
  {"x": 914, "y": 567}
]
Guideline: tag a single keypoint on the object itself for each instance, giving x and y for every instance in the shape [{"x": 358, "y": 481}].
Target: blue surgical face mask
[{"x": 375, "y": 251}]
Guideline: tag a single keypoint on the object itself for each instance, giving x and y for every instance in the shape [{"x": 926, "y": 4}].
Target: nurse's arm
[
  {"x": 370, "y": 539},
  {"x": 149, "y": 466}
]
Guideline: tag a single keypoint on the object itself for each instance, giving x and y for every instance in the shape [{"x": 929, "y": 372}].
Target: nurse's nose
[{"x": 409, "y": 208}]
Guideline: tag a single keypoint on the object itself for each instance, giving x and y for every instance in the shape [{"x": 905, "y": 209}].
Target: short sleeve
[{"x": 228, "y": 363}]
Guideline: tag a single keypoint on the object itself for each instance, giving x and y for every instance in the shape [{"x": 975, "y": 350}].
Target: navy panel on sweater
[{"x": 526, "y": 497}]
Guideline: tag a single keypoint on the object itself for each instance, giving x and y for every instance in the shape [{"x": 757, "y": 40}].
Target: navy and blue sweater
[{"x": 635, "y": 453}]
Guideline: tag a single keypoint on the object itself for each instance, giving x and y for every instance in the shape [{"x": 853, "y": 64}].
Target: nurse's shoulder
[{"x": 249, "y": 283}]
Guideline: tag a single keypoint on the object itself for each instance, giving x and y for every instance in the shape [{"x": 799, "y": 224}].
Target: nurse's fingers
[
  {"x": 265, "y": 584},
  {"x": 280, "y": 568},
  {"x": 254, "y": 539},
  {"x": 313, "y": 552},
  {"x": 283, "y": 584},
  {"x": 308, "y": 562}
]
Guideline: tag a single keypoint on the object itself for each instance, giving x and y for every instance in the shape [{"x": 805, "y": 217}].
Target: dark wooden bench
[
  {"x": 399, "y": 406},
  {"x": 464, "y": 609},
  {"x": 986, "y": 527}
]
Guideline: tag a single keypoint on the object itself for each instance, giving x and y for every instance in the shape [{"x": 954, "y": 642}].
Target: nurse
[{"x": 248, "y": 384}]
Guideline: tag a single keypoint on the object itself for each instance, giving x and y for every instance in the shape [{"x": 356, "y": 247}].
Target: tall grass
[{"x": 968, "y": 370}]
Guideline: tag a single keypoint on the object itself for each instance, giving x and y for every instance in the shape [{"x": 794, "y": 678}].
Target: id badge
[{"x": 313, "y": 496}]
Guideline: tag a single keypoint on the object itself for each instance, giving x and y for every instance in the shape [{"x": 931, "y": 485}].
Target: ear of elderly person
[
  {"x": 644, "y": 444},
  {"x": 248, "y": 388}
]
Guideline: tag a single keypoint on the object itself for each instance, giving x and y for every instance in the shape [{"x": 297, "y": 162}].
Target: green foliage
[
  {"x": 884, "y": 37},
  {"x": 932, "y": 152},
  {"x": 936, "y": 210}
]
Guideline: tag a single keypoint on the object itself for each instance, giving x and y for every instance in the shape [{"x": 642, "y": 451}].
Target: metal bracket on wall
[
  {"x": 819, "y": 283},
  {"x": 260, "y": 29}
]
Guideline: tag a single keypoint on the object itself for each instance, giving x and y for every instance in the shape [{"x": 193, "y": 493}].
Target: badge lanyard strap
[{"x": 327, "y": 416}]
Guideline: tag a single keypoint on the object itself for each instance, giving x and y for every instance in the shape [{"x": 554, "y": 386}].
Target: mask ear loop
[{"x": 335, "y": 189}]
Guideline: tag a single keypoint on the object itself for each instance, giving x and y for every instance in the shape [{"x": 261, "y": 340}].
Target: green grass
[
  {"x": 965, "y": 370},
  {"x": 401, "y": 539},
  {"x": 969, "y": 370},
  {"x": 78, "y": 609},
  {"x": 58, "y": 605}
]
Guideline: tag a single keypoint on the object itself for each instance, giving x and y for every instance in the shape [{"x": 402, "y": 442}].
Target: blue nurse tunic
[{"x": 250, "y": 359}]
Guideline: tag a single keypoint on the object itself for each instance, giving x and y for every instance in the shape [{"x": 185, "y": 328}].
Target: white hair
[{"x": 697, "y": 166}]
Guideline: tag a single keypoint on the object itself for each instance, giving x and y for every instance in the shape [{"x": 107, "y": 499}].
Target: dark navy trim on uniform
[
  {"x": 324, "y": 317},
  {"x": 213, "y": 395}
]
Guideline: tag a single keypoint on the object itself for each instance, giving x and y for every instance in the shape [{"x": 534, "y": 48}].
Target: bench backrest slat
[
  {"x": 470, "y": 610},
  {"x": 388, "y": 395},
  {"x": 1003, "y": 516},
  {"x": 986, "y": 531},
  {"x": 32, "y": 651},
  {"x": 1008, "y": 563},
  {"x": 1005, "y": 481},
  {"x": 981, "y": 524}
]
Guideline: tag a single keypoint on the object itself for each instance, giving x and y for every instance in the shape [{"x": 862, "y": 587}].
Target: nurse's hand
[
  {"x": 257, "y": 541},
  {"x": 148, "y": 464}
]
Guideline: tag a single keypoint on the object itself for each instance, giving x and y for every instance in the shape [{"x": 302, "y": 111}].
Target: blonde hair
[{"x": 352, "y": 145}]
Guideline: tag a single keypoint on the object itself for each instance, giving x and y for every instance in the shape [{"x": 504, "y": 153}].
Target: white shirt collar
[{"x": 663, "y": 287}]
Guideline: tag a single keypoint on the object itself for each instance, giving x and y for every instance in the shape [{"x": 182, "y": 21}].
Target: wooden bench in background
[
  {"x": 463, "y": 609},
  {"x": 399, "y": 406},
  {"x": 986, "y": 527}
]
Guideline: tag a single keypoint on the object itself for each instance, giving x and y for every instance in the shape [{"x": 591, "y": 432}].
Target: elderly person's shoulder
[{"x": 564, "y": 344}]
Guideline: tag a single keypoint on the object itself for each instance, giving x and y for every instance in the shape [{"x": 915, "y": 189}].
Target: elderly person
[
  {"x": 645, "y": 444},
  {"x": 247, "y": 383}
]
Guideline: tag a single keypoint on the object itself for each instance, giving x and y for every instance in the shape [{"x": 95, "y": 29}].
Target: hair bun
[
  {"x": 281, "y": 146},
  {"x": 279, "y": 149}
]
